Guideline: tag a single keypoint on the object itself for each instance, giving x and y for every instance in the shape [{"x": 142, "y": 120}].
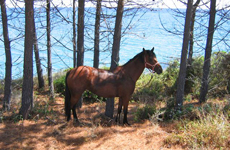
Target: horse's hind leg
[
  {"x": 74, "y": 101},
  {"x": 75, "y": 115},
  {"x": 119, "y": 110}
]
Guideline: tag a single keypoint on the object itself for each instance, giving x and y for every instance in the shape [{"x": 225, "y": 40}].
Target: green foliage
[
  {"x": 226, "y": 109},
  {"x": 59, "y": 85},
  {"x": 219, "y": 74},
  {"x": 164, "y": 85},
  {"x": 42, "y": 108},
  {"x": 193, "y": 77},
  {"x": 157, "y": 87},
  {"x": 144, "y": 112},
  {"x": 1, "y": 87},
  {"x": 171, "y": 113}
]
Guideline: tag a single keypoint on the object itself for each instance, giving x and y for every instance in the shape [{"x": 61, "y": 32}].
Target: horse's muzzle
[{"x": 158, "y": 69}]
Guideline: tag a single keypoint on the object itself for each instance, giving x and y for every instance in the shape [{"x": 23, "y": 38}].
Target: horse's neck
[{"x": 134, "y": 69}]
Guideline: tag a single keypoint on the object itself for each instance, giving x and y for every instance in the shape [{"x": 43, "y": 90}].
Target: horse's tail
[{"x": 67, "y": 99}]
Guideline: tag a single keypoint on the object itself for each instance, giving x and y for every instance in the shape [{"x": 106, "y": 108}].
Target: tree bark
[
  {"x": 8, "y": 64},
  {"x": 115, "y": 53},
  {"x": 50, "y": 76},
  {"x": 80, "y": 31},
  {"x": 182, "y": 72},
  {"x": 117, "y": 35},
  {"x": 189, "y": 69},
  {"x": 208, "y": 52},
  {"x": 80, "y": 39},
  {"x": 74, "y": 35},
  {"x": 97, "y": 36},
  {"x": 27, "y": 87},
  {"x": 191, "y": 42},
  {"x": 41, "y": 83}
]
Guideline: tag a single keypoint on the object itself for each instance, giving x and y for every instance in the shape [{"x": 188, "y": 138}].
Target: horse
[{"x": 119, "y": 82}]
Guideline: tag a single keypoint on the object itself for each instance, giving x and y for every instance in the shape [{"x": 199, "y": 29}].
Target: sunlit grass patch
[{"x": 209, "y": 131}]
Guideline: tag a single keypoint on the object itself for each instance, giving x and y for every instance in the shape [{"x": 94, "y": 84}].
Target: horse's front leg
[
  {"x": 125, "y": 109},
  {"x": 125, "y": 120},
  {"x": 119, "y": 110}
]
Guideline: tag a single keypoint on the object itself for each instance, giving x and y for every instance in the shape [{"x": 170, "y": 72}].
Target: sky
[{"x": 151, "y": 3}]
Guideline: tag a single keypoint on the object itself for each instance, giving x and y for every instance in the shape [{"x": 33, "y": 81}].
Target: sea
[{"x": 141, "y": 28}]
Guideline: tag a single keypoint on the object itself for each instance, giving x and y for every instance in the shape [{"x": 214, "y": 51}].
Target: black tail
[{"x": 67, "y": 99}]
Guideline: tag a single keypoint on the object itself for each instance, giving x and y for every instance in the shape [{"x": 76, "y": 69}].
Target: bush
[
  {"x": 219, "y": 74},
  {"x": 144, "y": 113},
  {"x": 149, "y": 88},
  {"x": 226, "y": 109},
  {"x": 59, "y": 85}
]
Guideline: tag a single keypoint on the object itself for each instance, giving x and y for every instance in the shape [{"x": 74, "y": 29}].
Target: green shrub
[
  {"x": 219, "y": 74},
  {"x": 59, "y": 85},
  {"x": 144, "y": 112},
  {"x": 149, "y": 88},
  {"x": 1, "y": 87},
  {"x": 226, "y": 110}
]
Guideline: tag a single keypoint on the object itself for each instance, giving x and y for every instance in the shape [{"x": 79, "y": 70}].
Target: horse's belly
[{"x": 106, "y": 91}]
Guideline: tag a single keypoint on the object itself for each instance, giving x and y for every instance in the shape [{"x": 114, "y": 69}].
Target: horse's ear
[
  {"x": 152, "y": 49},
  {"x": 144, "y": 50}
]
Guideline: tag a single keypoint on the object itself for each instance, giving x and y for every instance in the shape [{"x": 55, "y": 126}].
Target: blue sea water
[{"x": 145, "y": 30}]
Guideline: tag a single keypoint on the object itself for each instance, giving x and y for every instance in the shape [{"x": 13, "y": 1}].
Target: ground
[{"x": 47, "y": 129}]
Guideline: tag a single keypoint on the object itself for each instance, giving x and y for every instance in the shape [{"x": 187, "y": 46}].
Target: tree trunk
[
  {"x": 117, "y": 35},
  {"x": 41, "y": 83},
  {"x": 208, "y": 52},
  {"x": 97, "y": 37},
  {"x": 50, "y": 76},
  {"x": 80, "y": 31},
  {"x": 74, "y": 35},
  {"x": 182, "y": 73},
  {"x": 8, "y": 69},
  {"x": 27, "y": 87},
  {"x": 80, "y": 39},
  {"x": 115, "y": 53},
  {"x": 191, "y": 42},
  {"x": 189, "y": 70}
]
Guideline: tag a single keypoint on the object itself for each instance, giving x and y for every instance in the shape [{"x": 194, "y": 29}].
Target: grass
[{"x": 210, "y": 131}]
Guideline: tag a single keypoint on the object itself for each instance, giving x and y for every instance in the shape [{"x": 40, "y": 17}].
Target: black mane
[{"x": 139, "y": 56}]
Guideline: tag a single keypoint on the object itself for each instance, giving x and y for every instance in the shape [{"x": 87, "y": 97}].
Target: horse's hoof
[
  {"x": 68, "y": 119},
  {"x": 117, "y": 121},
  {"x": 126, "y": 124}
]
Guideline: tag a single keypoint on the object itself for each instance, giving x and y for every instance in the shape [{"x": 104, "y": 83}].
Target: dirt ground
[{"x": 51, "y": 131}]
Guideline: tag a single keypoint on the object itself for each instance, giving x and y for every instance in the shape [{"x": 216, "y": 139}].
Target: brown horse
[{"x": 119, "y": 82}]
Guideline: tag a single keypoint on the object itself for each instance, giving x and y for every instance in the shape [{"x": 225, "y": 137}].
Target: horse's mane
[{"x": 139, "y": 55}]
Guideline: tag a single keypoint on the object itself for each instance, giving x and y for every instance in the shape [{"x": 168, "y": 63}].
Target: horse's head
[{"x": 151, "y": 62}]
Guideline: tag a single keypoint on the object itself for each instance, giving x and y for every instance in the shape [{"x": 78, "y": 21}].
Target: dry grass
[
  {"x": 47, "y": 129},
  {"x": 210, "y": 131}
]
